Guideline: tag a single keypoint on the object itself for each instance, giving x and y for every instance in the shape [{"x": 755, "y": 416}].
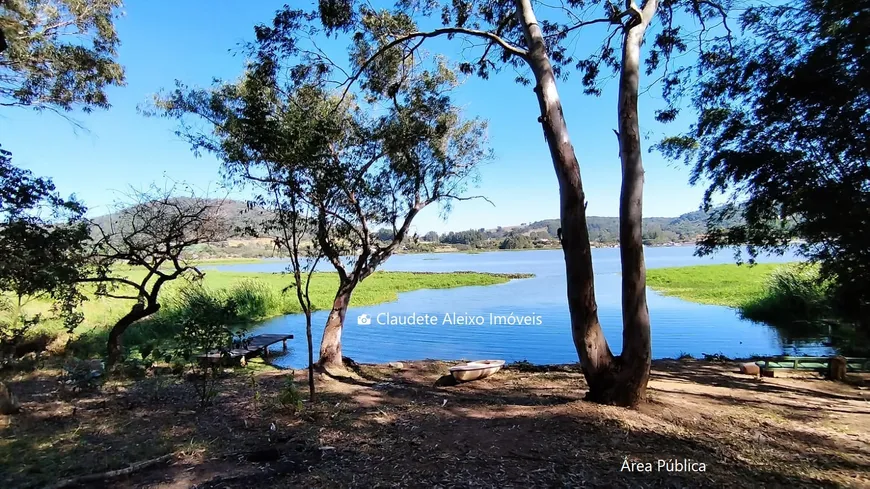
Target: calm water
[{"x": 677, "y": 326}]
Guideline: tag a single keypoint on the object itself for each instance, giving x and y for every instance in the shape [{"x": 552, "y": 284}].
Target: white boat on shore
[{"x": 477, "y": 369}]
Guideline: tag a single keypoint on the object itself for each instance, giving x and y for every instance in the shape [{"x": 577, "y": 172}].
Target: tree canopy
[
  {"x": 150, "y": 230},
  {"x": 42, "y": 240},
  {"x": 783, "y": 133},
  {"x": 58, "y": 54},
  {"x": 359, "y": 161}
]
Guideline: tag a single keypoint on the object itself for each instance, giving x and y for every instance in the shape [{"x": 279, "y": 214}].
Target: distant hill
[
  {"x": 236, "y": 212},
  {"x": 602, "y": 230},
  {"x": 239, "y": 244}
]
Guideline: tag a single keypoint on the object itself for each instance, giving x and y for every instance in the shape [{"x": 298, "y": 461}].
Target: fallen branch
[{"x": 112, "y": 473}]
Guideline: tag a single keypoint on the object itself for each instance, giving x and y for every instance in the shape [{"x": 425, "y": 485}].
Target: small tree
[
  {"x": 354, "y": 170},
  {"x": 291, "y": 224},
  {"x": 150, "y": 232},
  {"x": 206, "y": 330},
  {"x": 42, "y": 238}
]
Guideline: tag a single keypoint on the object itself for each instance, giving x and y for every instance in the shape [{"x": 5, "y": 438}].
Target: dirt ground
[{"x": 390, "y": 426}]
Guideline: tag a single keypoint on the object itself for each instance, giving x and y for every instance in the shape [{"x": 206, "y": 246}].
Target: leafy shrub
[
  {"x": 794, "y": 293},
  {"x": 516, "y": 242},
  {"x": 135, "y": 367},
  {"x": 206, "y": 320},
  {"x": 14, "y": 328},
  {"x": 253, "y": 300}
]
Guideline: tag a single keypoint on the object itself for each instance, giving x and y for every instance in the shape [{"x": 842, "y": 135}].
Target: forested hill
[{"x": 602, "y": 230}]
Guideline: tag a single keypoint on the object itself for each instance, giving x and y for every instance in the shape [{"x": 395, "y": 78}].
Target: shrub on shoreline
[{"x": 792, "y": 293}]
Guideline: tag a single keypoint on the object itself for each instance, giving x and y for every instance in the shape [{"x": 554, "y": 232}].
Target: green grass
[
  {"x": 790, "y": 297},
  {"x": 380, "y": 287},
  {"x": 722, "y": 285}
]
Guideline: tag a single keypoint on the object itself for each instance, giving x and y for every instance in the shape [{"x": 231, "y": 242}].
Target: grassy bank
[
  {"x": 722, "y": 285},
  {"x": 257, "y": 295},
  {"x": 789, "y": 297}
]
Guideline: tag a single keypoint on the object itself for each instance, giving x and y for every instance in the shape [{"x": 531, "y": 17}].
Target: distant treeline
[{"x": 602, "y": 231}]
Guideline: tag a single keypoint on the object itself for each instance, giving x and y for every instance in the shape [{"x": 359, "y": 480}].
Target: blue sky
[{"x": 192, "y": 41}]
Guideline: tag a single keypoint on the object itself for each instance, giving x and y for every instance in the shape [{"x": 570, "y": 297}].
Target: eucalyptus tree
[
  {"x": 636, "y": 355},
  {"x": 58, "y": 54},
  {"x": 509, "y": 35},
  {"x": 502, "y": 34},
  {"x": 358, "y": 161}
]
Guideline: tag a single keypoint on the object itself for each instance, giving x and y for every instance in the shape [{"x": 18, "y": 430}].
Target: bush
[
  {"x": 205, "y": 320},
  {"x": 253, "y": 300},
  {"x": 14, "y": 328},
  {"x": 793, "y": 294},
  {"x": 152, "y": 337},
  {"x": 516, "y": 242}
]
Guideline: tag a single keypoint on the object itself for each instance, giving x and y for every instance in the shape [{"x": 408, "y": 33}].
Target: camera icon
[{"x": 364, "y": 319}]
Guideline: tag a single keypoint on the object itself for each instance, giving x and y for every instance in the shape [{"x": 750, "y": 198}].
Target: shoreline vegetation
[
  {"x": 788, "y": 296},
  {"x": 727, "y": 285},
  {"x": 682, "y": 230},
  {"x": 256, "y": 295},
  {"x": 241, "y": 254}
]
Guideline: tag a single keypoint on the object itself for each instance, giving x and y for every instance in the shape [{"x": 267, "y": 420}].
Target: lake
[{"x": 678, "y": 326}]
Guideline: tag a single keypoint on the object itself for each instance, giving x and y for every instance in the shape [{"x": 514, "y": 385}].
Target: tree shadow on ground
[
  {"x": 383, "y": 427},
  {"x": 725, "y": 375}
]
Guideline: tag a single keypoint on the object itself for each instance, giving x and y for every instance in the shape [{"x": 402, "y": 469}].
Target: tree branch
[{"x": 510, "y": 48}]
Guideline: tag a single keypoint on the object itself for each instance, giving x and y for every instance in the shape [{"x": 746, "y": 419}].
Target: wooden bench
[
  {"x": 252, "y": 346},
  {"x": 812, "y": 363}
]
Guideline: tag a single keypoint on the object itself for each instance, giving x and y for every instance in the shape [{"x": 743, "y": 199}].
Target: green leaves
[
  {"x": 782, "y": 134},
  {"x": 59, "y": 53},
  {"x": 42, "y": 235}
]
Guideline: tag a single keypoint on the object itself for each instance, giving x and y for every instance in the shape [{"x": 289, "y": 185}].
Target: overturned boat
[{"x": 477, "y": 369}]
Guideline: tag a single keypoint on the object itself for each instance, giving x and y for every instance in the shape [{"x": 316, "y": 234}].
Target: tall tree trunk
[
  {"x": 636, "y": 349},
  {"x": 113, "y": 346},
  {"x": 595, "y": 356},
  {"x": 330, "y": 344}
]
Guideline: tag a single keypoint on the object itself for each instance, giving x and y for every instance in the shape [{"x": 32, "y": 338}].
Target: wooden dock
[
  {"x": 812, "y": 363},
  {"x": 250, "y": 347}
]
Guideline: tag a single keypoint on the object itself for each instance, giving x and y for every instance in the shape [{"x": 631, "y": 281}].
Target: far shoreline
[{"x": 440, "y": 250}]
